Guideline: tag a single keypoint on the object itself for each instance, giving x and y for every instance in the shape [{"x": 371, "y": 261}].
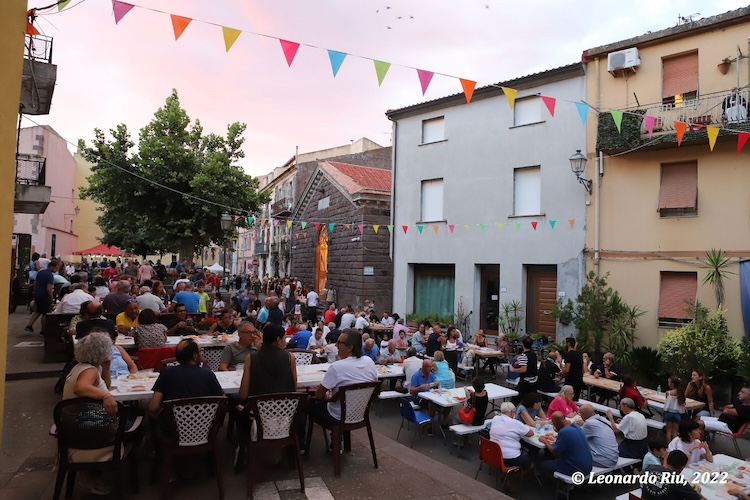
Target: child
[
  {"x": 204, "y": 298},
  {"x": 674, "y": 406},
  {"x": 657, "y": 451}
]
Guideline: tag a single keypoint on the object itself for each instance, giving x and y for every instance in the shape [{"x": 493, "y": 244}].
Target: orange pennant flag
[
  {"x": 230, "y": 36},
  {"x": 468, "y": 86},
  {"x": 680, "y": 128},
  {"x": 436, "y": 228},
  {"x": 510, "y": 94},
  {"x": 179, "y": 24},
  {"x": 572, "y": 222},
  {"x": 348, "y": 226},
  {"x": 713, "y": 133},
  {"x": 31, "y": 30}
]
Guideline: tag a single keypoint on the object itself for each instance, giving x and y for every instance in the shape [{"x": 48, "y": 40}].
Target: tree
[
  {"x": 169, "y": 195},
  {"x": 717, "y": 263}
]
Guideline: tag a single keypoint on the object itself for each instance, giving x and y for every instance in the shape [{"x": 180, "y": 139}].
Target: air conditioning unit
[{"x": 623, "y": 59}]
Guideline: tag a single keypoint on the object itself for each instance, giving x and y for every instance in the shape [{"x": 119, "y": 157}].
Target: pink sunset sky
[{"x": 110, "y": 74}]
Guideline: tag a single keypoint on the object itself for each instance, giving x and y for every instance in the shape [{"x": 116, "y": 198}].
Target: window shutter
[
  {"x": 679, "y": 186},
  {"x": 677, "y": 289},
  {"x": 680, "y": 74}
]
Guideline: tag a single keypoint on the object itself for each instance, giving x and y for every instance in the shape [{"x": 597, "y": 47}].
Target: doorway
[
  {"x": 489, "y": 298},
  {"x": 321, "y": 268},
  {"x": 541, "y": 295}
]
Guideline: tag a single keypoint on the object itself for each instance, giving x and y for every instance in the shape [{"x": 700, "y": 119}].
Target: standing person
[
  {"x": 204, "y": 298},
  {"x": 145, "y": 272},
  {"x": 526, "y": 367},
  {"x": 572, "y": 371},
  {"x": 312, "y": 305},
  {"x": 44, "y": 292},
  {"x": 674, "y": 406}
]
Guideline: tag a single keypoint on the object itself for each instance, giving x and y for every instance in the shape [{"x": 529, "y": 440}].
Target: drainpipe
[{"x": 597, "y": 202}]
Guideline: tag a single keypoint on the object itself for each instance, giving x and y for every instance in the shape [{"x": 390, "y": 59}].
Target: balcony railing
[
  {"x": 261, "y": 249},
  {"x": 719, "y": 109},
  {"x": 281, "y": 206},
  {"x": 38, "y": 48},
  {"x": 31, "y": 170}
]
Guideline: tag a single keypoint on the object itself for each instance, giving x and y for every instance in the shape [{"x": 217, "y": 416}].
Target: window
[
  {"x": 678, "y": 292},
  {"x": 678, "y": 194},
  {"x": 527, "y": 111},
  {"x": 527, "y": 188},
  {"x": 433, "y": 130},
  {"x": 432, "y": 200},
  {"x": 434, "y": 289},
  {"x": 324, "y": 203},
  {"x": 679, "y": 79}
]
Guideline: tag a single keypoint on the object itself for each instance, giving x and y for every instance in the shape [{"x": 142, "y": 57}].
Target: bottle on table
[{"x": 658, "y": 390}]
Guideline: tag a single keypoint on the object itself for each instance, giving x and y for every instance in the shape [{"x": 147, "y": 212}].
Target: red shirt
[
  {"x": 632, "y": 393},
  {"x": 329, "y": 316}
]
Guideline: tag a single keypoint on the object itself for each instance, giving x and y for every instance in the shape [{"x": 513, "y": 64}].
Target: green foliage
[
  {"x": 433, "y": 318},
  {"x": 605, "y": 322},
  {"x": 511, "y": 315},
  {"x": 743, "y": 366},
  {"x": 717, "y": 263},
  {"x": 144, "y": 218},
  {"x": 704, "y": 344},
  {"x": 629, "y": 136},
  {"x": 646, "y": 366}
]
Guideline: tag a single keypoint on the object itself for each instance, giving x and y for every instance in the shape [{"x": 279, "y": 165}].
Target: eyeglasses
[{"x": 132, "y": 301}]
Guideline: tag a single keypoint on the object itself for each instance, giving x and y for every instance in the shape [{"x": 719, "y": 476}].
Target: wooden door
[
  {"x": 489, "y": 299},
  {"x": 541, "y": 290}
]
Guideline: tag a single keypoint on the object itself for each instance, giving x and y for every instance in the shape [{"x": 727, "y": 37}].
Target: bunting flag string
[
  {"x": 451, "y": 227},
  {"x": 713, "y": 133},
  {"x": 361, "y": 228},
  {"x": 405, "y": 228},
  {"x": 420, "y": 228},
  {"x": 375, "y": 227},
  {"x": 390, "y": 228},
  {"x": 617, "y": 117},
  {"x": 331, "y": 225},
  {"x": 337, "y": 59},
  {"x": 317, "y": 226},
  {"x": 436, "y": 228},
  {"x": 534, "y": 224},
  {"x": 289, "y": 224},
  {"x": 552, "y": 224},
  {"x": 649, "y": 120},
  {"x": 680, "y": 129},
  {"x": 62, "y": 5},
  {"x": 583, "y": 111}
]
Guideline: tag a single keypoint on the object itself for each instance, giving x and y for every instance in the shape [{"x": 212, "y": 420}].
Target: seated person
[
  {"x": 149, "y": 333},
  {"x": 234, "y": 354},
  {"x": 657, "y": 452},
  {"x": 370, "y": 350},
  {"x": 657, "y": 490},
  {"x": 443, "y": 373},
  {"x": 530, "y": 409},
  {"x": 564, "y": 403},
  {"x": 302, "y": 337},
  {"x": 732, "y": 416},
  {"x": 507, "y": 432},
  {"x": 571, "y": 449},
  {"x": 178, "y": 324},
  {"x": 389, "y": 354},
  {"x": 317, "y": 342},
  {"x": 611, "y": 371},
  {"x": 224, "y": 325},
  {"x": 412, "y": 364},
  {"x": 688, "y": 441},
  {"x": 424, "y": 380},
  {"x": 588, "y": 365},
  {"x": 600, "y": 436},
  {"x": 634, "y": 430},
  {"x": 548, "y": 372},
  {"x": 93, "y": 319},
  {"x": 127, "y": 320},
  {"x": 629, "y": 390}
]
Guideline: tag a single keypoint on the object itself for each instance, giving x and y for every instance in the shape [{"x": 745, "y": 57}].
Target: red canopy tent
[{"x": 101, "y": 249}]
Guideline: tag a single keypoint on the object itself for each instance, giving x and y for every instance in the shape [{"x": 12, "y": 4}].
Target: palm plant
[{"x": 717, "y": 264}]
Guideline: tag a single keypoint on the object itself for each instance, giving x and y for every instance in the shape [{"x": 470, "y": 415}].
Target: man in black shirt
[
  {"x": 275, "y": 315},
  {"x": 548, "y": 371},
  {"x": 611, "y": 371},
  {"x": 178, "y": 324},
  {"x": 675, "y": 487},
  {"x": 572, "y": 372},
  {"x": 732, "y": 416},
  {"x": 91, "y": 312},
  {"x": 526, "y": 367},
  {"x": 433, "y": 341}
]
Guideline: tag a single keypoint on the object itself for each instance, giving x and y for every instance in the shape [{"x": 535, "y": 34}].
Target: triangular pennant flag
[
  {"x": 390, "y": 228},
  {"x": 179, "y": 24},
  {"x": 713, "y": 133},
  {"x": 451, "y": 227},
  {"x": 375, "y": 228},
  {"x": 552, "y": 224},
  {"x": 518, "y": 226},
  {"x": 467, "y": 226},
  {"x": 361, "y": 228},
  {"x": 283, "y": 237},
  {"x": 62, "y": 5},
  {"x": 482, "y": 227},
  {"x": 337, "y": 59},
  {"x": 405, "y": 228},
  {"x": 534, "y": 224},
  {"x": 230, "y": 36},
  {"x": 583, "y": 111},
  {"x": 510, "y": 95},
  {"x": 420, "y": 228},
  {"x": 617, "y": 117},
  {"x": 31, "y": 30},
  {"x": 550, "y": 103},
  {"x": 236, "y": 217},
  {"x": 347, "y": 226},
  {"x": 263, "y": 222},
  {"x": 436, "y": 228},
  {"x": 303, "y": 224},
  {"x": 680, "y": 128},
  {"x": 500, "y": 226},
  {"x": 290, "y": 50},
  {"x": 276, "y": 223},
  {"x": 331, "y": 225},
  {"x": 120, "y": 9},
  {"x": 742, "y": 138},
  {"x": 317, "y": 226},
  {"x": 572, "y": 222},
  {"x": 381, "y": 68},
  {"x": 649, "y": 120},
  {"x": 304, "y": 234},
  {"x": 289, "y": 224},
  {"x": 250, "y": 220},
  {"x": 468, "y": 86},
  {"x": 425, "y": 77}
]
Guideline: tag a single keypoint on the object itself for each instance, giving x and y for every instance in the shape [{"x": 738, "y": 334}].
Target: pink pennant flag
[
  {"x": 405, "y": 228},
  {"x": 742, "y": 138},
  {"x": 276, "y": 223},
  {"x": 317, "y": 226},
  {"x": 451, "y": 227},
  {"x": 650, "y": 120},
  {"x": 425, "y": 77},
  {"x": 290, "y": 50},
  {"x": 550, "y": 103},
  {"x": 120, "y": 9},
  {"x": 534, "y": 224},
  {"x": 361, "y": 228}
]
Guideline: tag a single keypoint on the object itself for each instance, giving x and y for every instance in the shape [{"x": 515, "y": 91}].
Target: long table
[
  {"x": 457, "y": 397},
  {"x": 649, "y": 394}
]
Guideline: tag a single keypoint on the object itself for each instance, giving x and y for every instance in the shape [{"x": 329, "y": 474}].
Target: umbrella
[{"x": 101, "y": 249}]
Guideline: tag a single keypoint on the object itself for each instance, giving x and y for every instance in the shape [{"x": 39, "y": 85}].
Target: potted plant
[{"x": 724, "y": 65}]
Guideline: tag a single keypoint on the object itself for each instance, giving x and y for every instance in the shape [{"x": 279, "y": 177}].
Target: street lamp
[
  {"x": 226, "y": 226},
  {"x": 578, "y": 165}
]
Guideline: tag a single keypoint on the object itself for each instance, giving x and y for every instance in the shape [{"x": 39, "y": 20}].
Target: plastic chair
[
  {"x": 189, "y": 427},
  {"x": 409, "y": 414},
  {"x": 355, "y": 414},
  {"x": 305, "y": 356},
  {"x": 212, "y": 357},
  {"x": 89, "y": 439},
  {"x": 737, "y": 435},
  {"x": 275, "y": 417},
  {"x": 491, "y": 454}
]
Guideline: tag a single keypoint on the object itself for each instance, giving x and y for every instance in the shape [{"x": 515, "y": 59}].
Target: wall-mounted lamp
[{"x": 578, "y": 165}]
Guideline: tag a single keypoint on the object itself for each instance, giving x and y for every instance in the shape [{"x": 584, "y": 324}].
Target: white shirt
[
  {"x": 71, "y": 303},
  {"x": 70, "y": 270},
  {"x": 633, "y": 426},
  {"x": 411, "y": 366},
  {"x": 387, "y": 321},
  {"x": 286, "y": 291},
  {"x": 332, "y": 352},
  {"x": 43, "y": 262},
  {"x": 313, "y": 343},
  {"x": 150, "y": 301},
  {"x": 361, "y": 323},
  {"x": 347, "y": 320},
  {"x": 182, "y": 280},
  {"x": 326, "y": 330},
  {"x": 694, "y": 456},
  {"x": 312, "y": 299},
  {"x": 351, "y": 370},
  {"x": 507, "y": 432}
]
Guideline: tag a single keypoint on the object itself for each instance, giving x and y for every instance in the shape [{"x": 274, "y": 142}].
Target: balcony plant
[{"x": 724, "y": 65}]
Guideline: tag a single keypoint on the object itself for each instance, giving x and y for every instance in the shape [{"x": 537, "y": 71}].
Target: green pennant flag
[
  {"x": 330, "y": 226},
  {"x": 390, "y": 228},
  {"x": 617, "y": 117},
  {"x": 250, "y": 221},
  {"x": 518, "y": 226},
  {"x": 483, "y": 227},
  {"x": 552, "y": 224},
  {"x": 381, "y": 68},
  {"x": 303, "y": 224},
  {"x": 420, "y": 228},
  {"x": 62, "y": 5}
]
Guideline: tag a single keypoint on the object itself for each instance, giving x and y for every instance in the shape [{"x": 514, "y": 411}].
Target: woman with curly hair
[{"x": 84, "y": 381}]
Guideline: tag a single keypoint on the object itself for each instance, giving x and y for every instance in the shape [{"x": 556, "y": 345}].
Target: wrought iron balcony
[
  {"x": 281, "y": 206},
  {"x": 31, "y": 170},
  {"x": 39, "y": 76},
  {"x": 261, "y": 249}
]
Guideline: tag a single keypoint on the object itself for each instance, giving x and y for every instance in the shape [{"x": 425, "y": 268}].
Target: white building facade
[{"x": 502, "y": 216}]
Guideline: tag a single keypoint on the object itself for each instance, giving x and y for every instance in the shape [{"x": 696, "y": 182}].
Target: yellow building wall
[
  {"x": 88, "y": 231},
  {"x": 637, "y": 244},
  {"x": 12, "y": 29}
]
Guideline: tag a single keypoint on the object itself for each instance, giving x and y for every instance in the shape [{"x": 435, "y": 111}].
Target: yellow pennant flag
[
  {"x": 230, "y": 36},
  {"x": 289, "y": 223},
  {"x": 713, "y": 133},
  {"x": 510, "y": 94},
  {"x": 500, "y": 226},
  {"x": 467, "y": 226},
  {"x": 375, "y": 228}
]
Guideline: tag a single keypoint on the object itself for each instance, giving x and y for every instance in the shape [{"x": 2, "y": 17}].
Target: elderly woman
[
  {"x": 225, "y": 324},
  {"x": 93, "y": 353},
  {"x": 149, "y": 332},
  {"x": 443, "y": 372},
  {"x": 564, "y": 403}
]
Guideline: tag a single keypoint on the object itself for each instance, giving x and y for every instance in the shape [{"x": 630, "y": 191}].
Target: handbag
[{"x": 467, "y": 413}]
